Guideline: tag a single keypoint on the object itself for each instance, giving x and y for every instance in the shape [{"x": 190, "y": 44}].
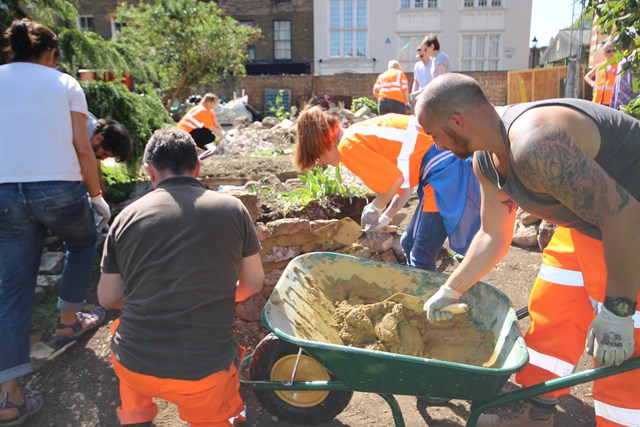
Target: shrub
[{"x": 364, "y": 101}]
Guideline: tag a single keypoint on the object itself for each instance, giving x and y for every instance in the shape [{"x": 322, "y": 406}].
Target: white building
[{"x": 361, "y": 36}]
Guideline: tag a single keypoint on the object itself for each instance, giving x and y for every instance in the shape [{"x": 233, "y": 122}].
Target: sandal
[
  {"x": 33, "y": 401},
  {"x": 95, "y": 317}
]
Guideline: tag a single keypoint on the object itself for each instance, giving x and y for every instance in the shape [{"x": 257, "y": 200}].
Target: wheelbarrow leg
[{"x": 395, "y": 409}]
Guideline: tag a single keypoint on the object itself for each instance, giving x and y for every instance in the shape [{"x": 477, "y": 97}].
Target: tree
[
  {"x": 185, "y": 42},
  {"x": 80, "y": 49},
  {"x": 621, "y": 20}
]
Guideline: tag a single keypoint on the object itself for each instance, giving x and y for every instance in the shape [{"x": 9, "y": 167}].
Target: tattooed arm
[
  {"x": 490, "y": 244},
  {"x": 549, "y": 160}
]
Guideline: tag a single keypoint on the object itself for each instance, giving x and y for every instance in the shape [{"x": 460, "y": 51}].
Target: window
[
  {"x": 348, "y": 28},
  {"x": 282, "y": 39},
  {"x": 85, "y": 23},
  {"x": 480, "y": 52},
  {"x": 418, "y": 4},
  {"x": 251, "y": 49},
  {"x": 115, "y": 27},
  {"x": 407, "y": 53},
  {"x": 482, "y": 3}
]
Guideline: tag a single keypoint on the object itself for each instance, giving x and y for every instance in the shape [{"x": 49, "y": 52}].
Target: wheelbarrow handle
[{"x": 478, "y": 408}]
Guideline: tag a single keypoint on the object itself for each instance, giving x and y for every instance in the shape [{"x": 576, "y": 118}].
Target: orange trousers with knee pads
[
  {"x": 566, "y": 297},
  {"x": 213, "y": 401}
]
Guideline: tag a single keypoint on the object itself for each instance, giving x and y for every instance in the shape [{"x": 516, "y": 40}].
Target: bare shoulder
[{"x": 550, "y": 144}]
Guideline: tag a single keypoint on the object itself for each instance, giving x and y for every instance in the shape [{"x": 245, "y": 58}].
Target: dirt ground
[{"x": 81, "y": 389}]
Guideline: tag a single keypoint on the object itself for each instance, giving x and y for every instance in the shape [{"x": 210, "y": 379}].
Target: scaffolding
[{"x": 574, "y": 74}]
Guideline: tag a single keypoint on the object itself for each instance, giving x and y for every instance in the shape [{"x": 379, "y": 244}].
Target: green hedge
[{"x": 141, "y": 114}]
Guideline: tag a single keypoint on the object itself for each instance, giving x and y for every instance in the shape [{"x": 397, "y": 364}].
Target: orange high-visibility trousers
[
  {"x": 568, "y": 293},
  {"x": 213, "y": 401}
]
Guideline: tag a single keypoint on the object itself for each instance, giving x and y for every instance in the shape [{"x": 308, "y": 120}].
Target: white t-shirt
[
  {"x": 36, "y": 137},
  {"x": 421, "y": 74}
]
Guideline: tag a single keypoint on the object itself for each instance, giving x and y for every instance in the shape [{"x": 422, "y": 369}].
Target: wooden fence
[{"x": 540, "y": 83}]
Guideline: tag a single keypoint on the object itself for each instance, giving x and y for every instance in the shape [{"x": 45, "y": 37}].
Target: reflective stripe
[
  {"x": 550, "y": 363},
  {"x": 560, "y": 276},
  {"x": 407, "y": 137},
  {"x": 391, "y": 84},
  {"x": 189, "y": 119},
  {"x": 435, "y": 162},
  {"x": 616, "y": 414},
  {"x": 635, "y": 317}
]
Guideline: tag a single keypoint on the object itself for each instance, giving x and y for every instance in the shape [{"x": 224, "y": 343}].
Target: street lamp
[{"x": 534, "y": 46}]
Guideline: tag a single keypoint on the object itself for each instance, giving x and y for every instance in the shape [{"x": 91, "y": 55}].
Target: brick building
[
  {"x": 97, "y": 16},
  {"x": 286, "y": 46}
]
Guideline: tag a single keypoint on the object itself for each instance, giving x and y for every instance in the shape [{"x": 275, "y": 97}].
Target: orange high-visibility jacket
[
  {"x": 391, "y": 84},
  {"x": 384, "y": 148},
  {"x": 196, "y": 118},
  {"x": 605, "y": 79}
]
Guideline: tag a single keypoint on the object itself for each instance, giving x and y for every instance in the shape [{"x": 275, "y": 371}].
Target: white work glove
[
  {"x": 370, "y": 217},
  {"x": 101, "y": 208},
  {"x": 610, "y": 338},
  {"x": 440, "y": 299},
  {"x": 383, "y": 221}
]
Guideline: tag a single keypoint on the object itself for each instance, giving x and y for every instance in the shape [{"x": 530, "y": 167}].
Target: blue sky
[{"x": 549, "y": 16}]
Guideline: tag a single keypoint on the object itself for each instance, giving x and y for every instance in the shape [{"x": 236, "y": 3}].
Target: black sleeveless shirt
[{"x": 619, "y": 156}]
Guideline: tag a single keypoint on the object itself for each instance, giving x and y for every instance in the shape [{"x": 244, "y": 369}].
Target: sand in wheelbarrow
[{"x": 391, "y": 327}]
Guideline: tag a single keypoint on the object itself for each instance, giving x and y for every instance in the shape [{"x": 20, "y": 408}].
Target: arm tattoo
[{"x": 549, "y": 161}]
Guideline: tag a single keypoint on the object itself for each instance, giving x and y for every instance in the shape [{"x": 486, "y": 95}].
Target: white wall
[{"x": 388, "y": 25}]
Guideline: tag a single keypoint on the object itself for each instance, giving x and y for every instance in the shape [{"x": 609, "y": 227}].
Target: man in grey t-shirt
[{"x": 175, "y": 262}]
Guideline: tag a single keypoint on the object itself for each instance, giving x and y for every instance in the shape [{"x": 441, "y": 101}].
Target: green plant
[
  {"x": 278, "y": 109},
  {"x": 264, "y": 153},
  {"x": 119, "y": 182},
  {"x": 320, "y": 183},
  {"x": 364, "y": 101},
  {"x": 43, "y": 318}
]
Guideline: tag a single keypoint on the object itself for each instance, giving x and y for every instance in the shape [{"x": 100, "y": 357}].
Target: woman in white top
[{"x": 47, "y": 167}]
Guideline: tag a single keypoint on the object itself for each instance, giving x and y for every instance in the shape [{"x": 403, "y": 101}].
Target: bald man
[{"x": 575, "y": 164}]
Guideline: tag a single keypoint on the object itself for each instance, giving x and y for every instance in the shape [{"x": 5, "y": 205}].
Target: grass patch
[{"x": 45, "y": 315}]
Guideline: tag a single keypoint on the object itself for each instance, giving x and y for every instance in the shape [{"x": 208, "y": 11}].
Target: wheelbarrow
[{"x": 303, "y": 373}]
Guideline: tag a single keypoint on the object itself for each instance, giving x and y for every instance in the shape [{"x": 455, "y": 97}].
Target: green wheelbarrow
[{"x": 304, "y": 374}]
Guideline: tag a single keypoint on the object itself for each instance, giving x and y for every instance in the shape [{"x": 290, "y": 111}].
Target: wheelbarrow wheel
[{"x": 273, "y": 360}]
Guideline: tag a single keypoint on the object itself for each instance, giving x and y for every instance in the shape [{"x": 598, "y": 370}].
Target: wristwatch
[{"x": 621, "y": 307}]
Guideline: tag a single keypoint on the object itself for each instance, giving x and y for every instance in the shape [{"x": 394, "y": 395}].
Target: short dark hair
[
  {"x": 29, "y": 40},
  {"x": 431, "y": 40},
  {"x": 115, "y": 138},
  {"x": 171, "y": 149}
]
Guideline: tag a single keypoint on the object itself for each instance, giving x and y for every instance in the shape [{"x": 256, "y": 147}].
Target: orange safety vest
[
  {"x": 197, "y": 117},
  {"x": 384, "y": 148},
  {"x": 605, "y": 79},
  {"x": 391, "y": 85}
]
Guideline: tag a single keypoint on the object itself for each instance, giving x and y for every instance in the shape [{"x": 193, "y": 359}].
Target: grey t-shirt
[
  {"x": 619, "y": 156},
  {"x": 179, "y": 250}
]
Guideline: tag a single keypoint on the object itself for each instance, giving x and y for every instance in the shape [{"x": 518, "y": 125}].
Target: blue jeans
[
  {"x": 26, "y": 211},
  {"x": 387, "y": 105},
  {"x": 423, "y": 239}
]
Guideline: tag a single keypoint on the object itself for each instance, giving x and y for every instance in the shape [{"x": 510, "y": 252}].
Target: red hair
[{"x": 316, "y": 133}]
